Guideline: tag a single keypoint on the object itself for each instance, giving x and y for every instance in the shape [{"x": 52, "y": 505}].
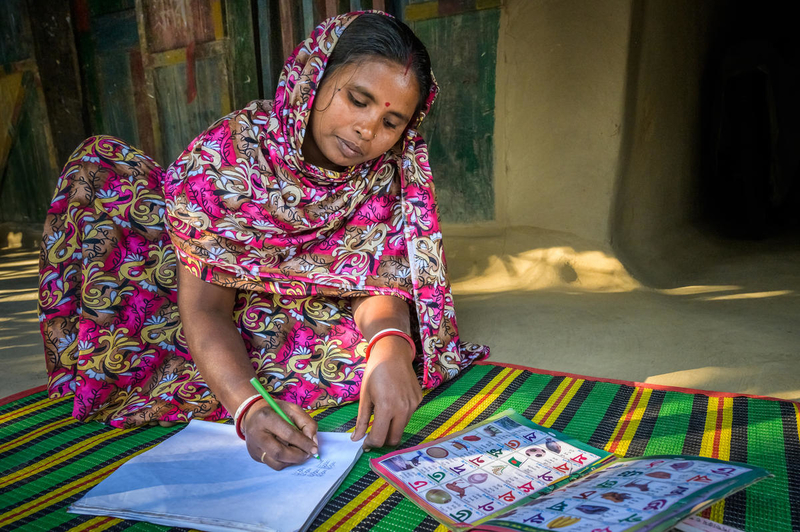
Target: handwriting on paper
[{"x": 317, "y": 469}]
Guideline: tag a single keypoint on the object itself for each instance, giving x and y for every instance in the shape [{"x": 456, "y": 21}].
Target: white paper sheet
[{"x": 203, "y": 477}]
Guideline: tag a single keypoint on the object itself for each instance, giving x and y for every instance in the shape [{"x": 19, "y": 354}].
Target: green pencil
[{"x": 271, "y": 402}]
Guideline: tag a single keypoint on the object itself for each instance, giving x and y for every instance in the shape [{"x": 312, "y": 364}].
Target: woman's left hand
[{"x": 390, "y": 390}]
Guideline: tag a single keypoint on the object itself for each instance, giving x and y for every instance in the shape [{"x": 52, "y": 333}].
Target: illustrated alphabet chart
[
  {"x": 486, "y": 468},
  {"x": 507, "y": 473},
  {"x": 634, "y": 494}
]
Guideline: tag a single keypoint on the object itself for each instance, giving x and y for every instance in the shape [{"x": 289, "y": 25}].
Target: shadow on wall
[{"x": 701, "y": 149}]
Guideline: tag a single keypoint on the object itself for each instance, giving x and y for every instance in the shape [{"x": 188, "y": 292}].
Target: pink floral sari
[{"x": 240, "y": 208}]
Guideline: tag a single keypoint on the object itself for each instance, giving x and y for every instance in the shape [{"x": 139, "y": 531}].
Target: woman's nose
[{"x": 366, "y": 128}]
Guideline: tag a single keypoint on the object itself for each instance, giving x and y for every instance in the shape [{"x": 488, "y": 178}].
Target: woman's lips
[{"x": 348, "y": 148}]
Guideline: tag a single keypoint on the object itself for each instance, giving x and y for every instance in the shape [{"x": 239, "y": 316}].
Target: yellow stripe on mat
[
  {"x": 629, "y": 422},
  {"x": 373, "y": 496},
  {"x": 464, "y": 417},
  {"x": 97, "y": 524},
  {"x": 38, "y": 405},
  {"x": 55, "y": 459},
  {"x": 25, "y": 438},
  {"x": 48, "y": 499},
  {"x": 353, "y": 512},
  {"x": 724, "y": 419},
  {"x": 547, "y": 415}
]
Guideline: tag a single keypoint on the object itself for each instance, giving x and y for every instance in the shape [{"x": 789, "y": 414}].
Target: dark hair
[{"x": 374, "y": 35}]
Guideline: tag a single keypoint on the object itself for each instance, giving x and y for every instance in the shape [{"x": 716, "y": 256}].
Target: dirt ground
[{"x": 728, "y": 320}]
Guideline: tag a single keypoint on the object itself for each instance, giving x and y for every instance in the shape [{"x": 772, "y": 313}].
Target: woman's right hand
[{"x": 273, "y": 441}]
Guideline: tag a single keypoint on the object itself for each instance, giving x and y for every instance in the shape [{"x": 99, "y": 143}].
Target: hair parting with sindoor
[{"x": 373, "y": 36}]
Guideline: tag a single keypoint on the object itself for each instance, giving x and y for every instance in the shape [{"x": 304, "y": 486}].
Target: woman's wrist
[
  {"x": 241, "y": 413},
  {"x": 391, "y": 347}
]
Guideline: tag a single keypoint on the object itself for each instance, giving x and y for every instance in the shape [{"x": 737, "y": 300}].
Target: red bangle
[
  {"x": 389, "y": 332},
  {"x": 241, "y": 411}
]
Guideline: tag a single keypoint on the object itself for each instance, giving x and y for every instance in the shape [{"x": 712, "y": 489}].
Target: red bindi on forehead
[{"x": 387, "y": 104}]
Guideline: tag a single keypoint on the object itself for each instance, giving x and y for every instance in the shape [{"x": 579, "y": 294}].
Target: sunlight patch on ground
[
  {"x": 28, "y": 295},
  {"x": 699, "y": 289},
  {"x": 751, "y": 295},
  {"x": 557, "y": 267}
]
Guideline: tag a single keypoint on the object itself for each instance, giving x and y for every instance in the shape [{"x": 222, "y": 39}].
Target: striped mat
[{"x": 48, "y": 460}]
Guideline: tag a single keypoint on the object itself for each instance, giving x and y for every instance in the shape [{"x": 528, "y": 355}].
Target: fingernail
[
  {"x": 314, "y": 450},
  {"x": 367, "y": 449},
  {"x": 315, "y": 440}
]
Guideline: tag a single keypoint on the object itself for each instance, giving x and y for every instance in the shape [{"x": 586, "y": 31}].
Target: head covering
[{"x": 246, "y": 211}]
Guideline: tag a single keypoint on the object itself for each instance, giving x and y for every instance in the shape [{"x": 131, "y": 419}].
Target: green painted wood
[
  {"x": 460, "y": 131},
  {"x": 181, "y": 121},
  {"x": 14, "y": 34},
  {"x": 104, "y": 7},
  {"x": 114, "y": 37},
  {"x": 269, "y": 39},
  {"x": 29, "y": 177},
  {"x": 244, "y": 69}
]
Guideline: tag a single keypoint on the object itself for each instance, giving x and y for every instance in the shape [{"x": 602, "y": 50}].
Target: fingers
[
  {"x": 388, "y": 427},
  {"x": 380, "y": 428},
  {"x": 268, "y": 450},
  {"x": 364, "y": 413},
  {"x": 287, "y": 433},
  {"x": 280, "y": 443},
  {"x": 304, "y": 422}
]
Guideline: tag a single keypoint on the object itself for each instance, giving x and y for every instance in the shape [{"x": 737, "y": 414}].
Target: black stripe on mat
[
  {"x": 12, "y": 431},
  {"x": 27, "y": 461},
  {"x": 380, "y": 512},
  {"x": 791, "y": 444},
  {"x": 337, "y": 503},
  {"x": 605, "y": 429},
  {"x": 458, "y": 404},
  {"x": 548, "y": 390},
  {"x": 735, "y": 514},
  {"x": 429, "y": 524},
  {"x": 430, "y": 396},
  {"x": 572, "y": 407},
  {"x": 22, "y": 402},
  {"x": 64, "y": 503},
  {"x": 647, "y": 424},
  {"x": 389, "y": 504},
  {"x": 83, "y": 454},
  {"x": 697, "y": 426}
]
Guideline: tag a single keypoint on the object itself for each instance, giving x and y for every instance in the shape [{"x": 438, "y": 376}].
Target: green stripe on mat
[
  {"x": 390, "y": 506},
  {"x": 586, "y": 420},
  {"x": 668, "y": 434},
  {"x": 763, "y": 433},
  {"x": 764, "y": 436},
  {"x": 419, "y": 427}
]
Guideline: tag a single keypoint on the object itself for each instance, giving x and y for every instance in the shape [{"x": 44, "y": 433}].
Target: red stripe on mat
[
  {"x": 564, "y": 393},
  {"x": 634, "y": 383},
  {"x": 624, "y": 427},
  {"x": 20, "y": 395},
  {"x": 355, "y": 510}
]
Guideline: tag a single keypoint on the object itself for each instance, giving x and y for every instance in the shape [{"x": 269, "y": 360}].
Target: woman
[{"x": 304, "y": 229}]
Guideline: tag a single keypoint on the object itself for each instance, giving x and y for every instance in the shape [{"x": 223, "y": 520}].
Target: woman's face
[{"x": 359, "y": 112}]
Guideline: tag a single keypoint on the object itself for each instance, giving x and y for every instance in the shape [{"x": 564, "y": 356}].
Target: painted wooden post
[
  {"x": 150, "y": 86},
  {"x": 287, "y": 27},
  {"x": 331, "y": 8}
]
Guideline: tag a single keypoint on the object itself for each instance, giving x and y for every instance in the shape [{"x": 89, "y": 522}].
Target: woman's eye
[
  {"x": 356, "y": 102},
  {"x": 390, "y": 125}
]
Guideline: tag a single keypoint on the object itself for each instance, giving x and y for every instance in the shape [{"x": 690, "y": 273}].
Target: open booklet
[
  {"x": 508, "y": 473},
  {"x": 203, "y": 478}
]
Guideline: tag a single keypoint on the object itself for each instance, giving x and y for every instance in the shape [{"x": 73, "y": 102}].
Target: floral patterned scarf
[{"x": 244, "y": 210}]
